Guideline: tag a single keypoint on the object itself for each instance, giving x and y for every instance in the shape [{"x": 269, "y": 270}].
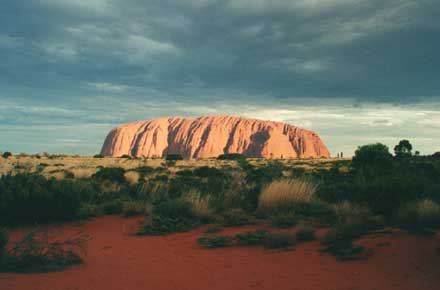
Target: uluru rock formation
[{"x": 212, "y": 136}]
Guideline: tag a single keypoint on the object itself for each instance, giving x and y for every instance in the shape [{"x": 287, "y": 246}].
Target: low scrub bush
[
  {"x": 305, "y": 234},
  {"x": 162, "y": 225},
  {"x": 214, "y": 229},
  {"x": 284, "y": 220},
  {"x": 173, "y": 157},
  {"x": 112, "y": 206},
  {"x": 251, "y": 238},
  {"x": 31, "y": 198},
  {"x": 279, "y": 241},
  {"x": 235, "y": 217},
  {"x": 231, "y": 156},
  {"x": 215, "y": 241},
  {"x": 88, "y": 210},
  {"x": 146, "y": 170},
  {"x": 339, "y": 241},
  {"x": 419, "y": 215},
  {"x": 113, "y": 174},
  {"x": 132, "y": 208},
  {"x": 36, "y": 252},
  {"x": 273, "y": 170},
  {"x": 241, "y": 239},
  {"x": 6, "y": 155},
  {"x": 207, "y": 172},
  {"x": 4, "y": 239},
  {"x": 170, "y": 216},
  {"x": 176, "y": 208},
  {"x": 346, "y": 211}
]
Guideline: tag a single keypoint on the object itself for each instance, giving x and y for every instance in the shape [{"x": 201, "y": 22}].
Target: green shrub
[
  {"x": 30, "y": 198},
  {"x": 162, "y": 225},
  {"x": 4, "y": 239},
  {"x": 214, "y": 229},
  {"x": 170, "y": 216},
  {"x": 305, "y": 234},
  {"x": 339, "y": 241},
  {"x": 6, "y": 155},
  {"x": 132, "y": 208},
  {"x": 419, "y": 215},
  {"x": 273, "y": 170},
  {"x": 88, "y": 210},
  {"x": 215, "y": 241},
  {"x": 236, "y": 217},
  {"x": 144, "y": 171},
  {"x": 112, "y": 206},
  {"x": 284, "y": 220},
  {"x": 251, "y": 238},
  {"x": 231, "y": 156},
  {"x": 35, "y": 252},
  {"x": 175, "y": 208},
  {"x": 68, "y": 174},
  {"x": 113, "y": 174},
  {"x": 279, "y": 241},
  {"x": 173, "y": 157}
]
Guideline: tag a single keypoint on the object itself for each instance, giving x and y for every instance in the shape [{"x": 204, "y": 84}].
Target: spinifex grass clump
[
  {"x": 286, "y": 195},
  {"x": 419, "y": 216},
  {"x": 283, "y": 199},
  {"x": 200, "y": 205},
  {"x": 36, "y": 252},
  {"x": 175, "y": 215}
]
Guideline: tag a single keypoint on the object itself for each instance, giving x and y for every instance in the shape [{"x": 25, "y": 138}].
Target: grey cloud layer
[{"x": 374, "y": 49}]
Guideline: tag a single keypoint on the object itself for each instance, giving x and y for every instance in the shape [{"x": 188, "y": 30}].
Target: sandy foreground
[{"x": 117, "y": 260}]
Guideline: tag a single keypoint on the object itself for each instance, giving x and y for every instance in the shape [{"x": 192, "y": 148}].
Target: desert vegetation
[{"x": 347, "y": 198}]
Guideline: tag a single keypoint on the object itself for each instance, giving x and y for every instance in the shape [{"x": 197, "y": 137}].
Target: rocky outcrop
[{"x": 212, "y": 136}]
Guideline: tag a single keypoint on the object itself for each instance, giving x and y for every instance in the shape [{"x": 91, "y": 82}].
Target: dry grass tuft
[
  {"x": 132, "y": 177},
  {"x": 346, "y": 211},
  {"x": 420, "y": 214},
  {"x": 286, "y": 193},
  {"x": 200, "y": 205},
  {"x": 83, "y": 172}
]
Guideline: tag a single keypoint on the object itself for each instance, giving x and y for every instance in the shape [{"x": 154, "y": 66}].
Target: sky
[{"x": 356, "y": 72}]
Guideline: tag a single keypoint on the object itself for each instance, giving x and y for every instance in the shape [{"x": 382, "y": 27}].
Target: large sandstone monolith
[{"x": 212, "y": 136}]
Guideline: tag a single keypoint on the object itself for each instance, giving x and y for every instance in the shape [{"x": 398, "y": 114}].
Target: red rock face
[{"x": 212, "y": 136}]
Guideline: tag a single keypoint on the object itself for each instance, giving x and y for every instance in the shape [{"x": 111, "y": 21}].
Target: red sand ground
[{"x": 117, "y": 260}]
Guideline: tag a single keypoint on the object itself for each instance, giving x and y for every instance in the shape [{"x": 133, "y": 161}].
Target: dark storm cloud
[
  {"x": 362, "y": 49},
  {"x": 103, "y": 62}
]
